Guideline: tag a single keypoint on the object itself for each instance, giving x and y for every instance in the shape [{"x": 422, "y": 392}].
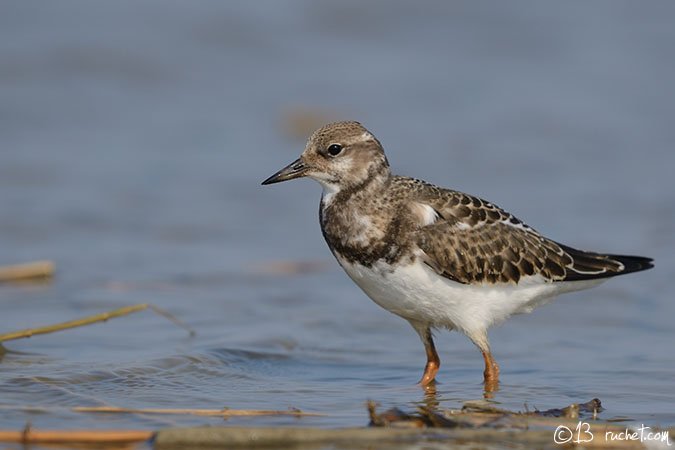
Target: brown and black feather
[{"x": 474, "y": 241}]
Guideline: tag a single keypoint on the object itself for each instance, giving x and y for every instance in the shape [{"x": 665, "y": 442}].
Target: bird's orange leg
[
  {"x": 491, "y": 373},
  {"x": 433, "y": 361}
]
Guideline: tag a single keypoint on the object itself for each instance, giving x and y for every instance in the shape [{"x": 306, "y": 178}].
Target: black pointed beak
[{"x": 296, "y": 169}]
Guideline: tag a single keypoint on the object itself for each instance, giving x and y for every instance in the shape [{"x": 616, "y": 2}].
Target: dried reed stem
[
  {"x": 30, "y": 435},
  {"x": 35, "y": 269},
  {"x": 102, "y": 317}
]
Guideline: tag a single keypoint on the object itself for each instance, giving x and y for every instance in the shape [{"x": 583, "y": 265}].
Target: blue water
[{"x": 134, "y": 136}]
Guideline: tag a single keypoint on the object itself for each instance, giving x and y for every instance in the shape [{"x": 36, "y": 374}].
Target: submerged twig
[
  {"x": 102, "y": 317},
  {"x": 35, "y": 269},
  {"x": 167, "y": 315},
  {"x": 225, "y": 412}
]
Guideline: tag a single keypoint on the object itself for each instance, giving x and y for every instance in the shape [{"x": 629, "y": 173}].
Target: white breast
[{"x": 417, "y": 293}]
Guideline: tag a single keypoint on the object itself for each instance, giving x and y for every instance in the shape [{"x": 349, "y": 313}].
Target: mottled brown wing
[
  {"x": 473, "y": 241},
  {"x": 490, "y": 252}
]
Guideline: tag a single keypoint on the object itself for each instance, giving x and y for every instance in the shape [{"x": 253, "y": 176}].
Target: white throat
[{"x": 329, "y": 191}]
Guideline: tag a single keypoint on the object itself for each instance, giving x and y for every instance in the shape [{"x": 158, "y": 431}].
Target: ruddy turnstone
[{"x": 436, "y": 257}]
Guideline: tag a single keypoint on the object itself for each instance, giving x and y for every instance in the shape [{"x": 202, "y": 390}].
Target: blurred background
[{"x": 134, "y": 137}]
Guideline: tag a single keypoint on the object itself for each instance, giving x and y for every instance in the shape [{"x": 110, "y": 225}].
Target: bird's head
[{"x": 338, "y": 155}]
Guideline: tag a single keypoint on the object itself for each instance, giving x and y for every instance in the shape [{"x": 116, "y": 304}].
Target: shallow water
[{"x": 134, "y": 137}]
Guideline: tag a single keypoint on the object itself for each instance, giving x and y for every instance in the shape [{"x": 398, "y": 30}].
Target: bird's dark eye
[{"x": 334, "y": 149}]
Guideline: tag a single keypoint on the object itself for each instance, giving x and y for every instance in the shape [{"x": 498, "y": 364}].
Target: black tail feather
[
  {"x": 633, "y": 263},
  {"x": 589, "y": 265}
]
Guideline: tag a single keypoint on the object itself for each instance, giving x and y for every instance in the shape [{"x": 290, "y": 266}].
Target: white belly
[{"x": 417, "y": 293}]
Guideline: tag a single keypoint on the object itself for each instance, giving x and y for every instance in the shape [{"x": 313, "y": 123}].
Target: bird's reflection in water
[{"x": 431, "y": 399}]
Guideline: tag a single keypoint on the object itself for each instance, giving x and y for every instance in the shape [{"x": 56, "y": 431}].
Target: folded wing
[{"x": 470, "y": 240}]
